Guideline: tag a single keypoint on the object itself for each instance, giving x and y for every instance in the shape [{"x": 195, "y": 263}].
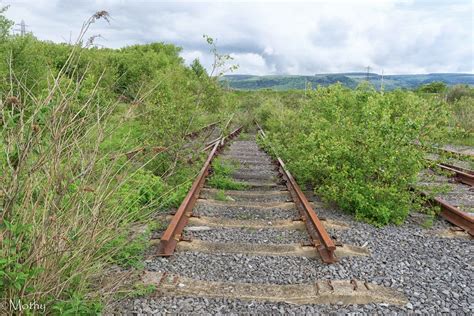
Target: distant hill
[{"x": 351, "y": 79}]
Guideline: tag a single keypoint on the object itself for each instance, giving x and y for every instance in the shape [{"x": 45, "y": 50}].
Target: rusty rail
[
  {"x": 319, "y": 236},
  {"x": 452, "y": 153},
  {"x": 458, "y": 168},
  {"x": 202, "y": 129},
  {"x": 461, "y": 175},
  {"x": 457, "y": 153},
  {"x": 453, "y": 214},
  {"x": 173, "y": 233},
  {"x": 450, "y": 212}
]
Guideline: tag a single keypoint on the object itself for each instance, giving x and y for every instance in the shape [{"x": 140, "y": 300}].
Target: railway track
[
  {"x": 208, "y": 127},
  {"x": 319, "y": 238},
  {"x": 449, "y": 210},
  {"x": 464, "y": 153},
  {"x": 267, "y": 225},
  {"x": 249, "y": 251}
]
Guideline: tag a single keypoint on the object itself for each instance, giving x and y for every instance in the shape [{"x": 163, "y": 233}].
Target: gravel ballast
[
  {"x": 433, "y": 272},
  {"x": 252, "y": 235}
]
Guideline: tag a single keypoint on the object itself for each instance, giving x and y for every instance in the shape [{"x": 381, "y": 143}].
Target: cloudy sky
[{"x": 278, "y": 37}]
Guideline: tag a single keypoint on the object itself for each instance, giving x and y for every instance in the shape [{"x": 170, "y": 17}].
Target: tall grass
[{"x": 65, "y": 216}]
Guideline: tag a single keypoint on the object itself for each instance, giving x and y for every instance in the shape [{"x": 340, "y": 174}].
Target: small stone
[
  {"x": 445, "y": 292},
  {"x": 409, "y": 305},
  {"x": 181, "y": 285}
]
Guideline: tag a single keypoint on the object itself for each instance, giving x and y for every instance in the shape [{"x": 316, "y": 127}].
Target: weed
[
  {"x": 428, "y": 223},
  {"x": 225, "y": 183},
  {"x": 131, "y": 251},
  {"x": 244, "y": 136},
  {"x": 142, "y": 290},
  {"x": 221, "y": 176},
  {"x": 220, "y": 196}
]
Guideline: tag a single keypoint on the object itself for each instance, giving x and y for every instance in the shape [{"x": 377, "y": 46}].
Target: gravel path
[{"x": 435, "y": 273}]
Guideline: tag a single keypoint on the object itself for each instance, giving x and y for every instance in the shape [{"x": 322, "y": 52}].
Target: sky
[{"x": 277, "y": 37}]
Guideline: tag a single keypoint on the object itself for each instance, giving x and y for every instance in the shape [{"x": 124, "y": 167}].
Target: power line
[{"x": 22, "y": 28}]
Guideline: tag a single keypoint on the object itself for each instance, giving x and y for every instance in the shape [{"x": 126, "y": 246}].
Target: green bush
[
  {"x": 357, "y": 147},
  {"x": 70, "y": 193}
]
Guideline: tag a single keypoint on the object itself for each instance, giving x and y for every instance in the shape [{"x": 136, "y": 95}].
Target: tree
[
  {"x": 220, "y": 65},
  {"x": 198, "y": 69},
  {"x": 433, "y": 87},
  {"x": 5, "y": 24}
]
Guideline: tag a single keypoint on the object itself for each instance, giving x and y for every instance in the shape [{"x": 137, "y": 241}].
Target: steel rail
[
  {"x": 219, "y": 139},
  {"x": 449, "y": 152},
  {"x": 319, "y": 236},
  {"x": 457, "y": 153},
  {"x": 457, "y": 168},
  {"x": 453, "y": 214},
  {"x": 173, "y": 233},
  {"x": 202, "y": 129},
  {"x": 460, "y": 176}
]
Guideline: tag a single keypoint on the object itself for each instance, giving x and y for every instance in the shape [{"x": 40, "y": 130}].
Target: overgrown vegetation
[
  {"x": 221, "y": 177},
  {"x": 357, "y": 147},
  {"x": 93, "y": 143},
  {"x": 460, "y": 102}
]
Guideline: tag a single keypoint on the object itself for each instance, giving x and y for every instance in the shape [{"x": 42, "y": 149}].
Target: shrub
[
  {"x": 357, "y": 147},
  {"x": 70, "y": 194}
]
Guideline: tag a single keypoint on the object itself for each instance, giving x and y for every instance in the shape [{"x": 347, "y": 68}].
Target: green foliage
[
  {"x": 225, "y": 183},
  {"x": 66, "y": 168},
  {"x": 131, "y": 249},
  {"x": 244, "y": 136},
  {"x": 76, "y": 304},
  {"x": 461, "y": 103},
  {"x": 458, "y": 91},
  {"x": 428, "y": 223},
  {"x": 5, "y": 24},
  {"x": 198, "y": 69},
  {"x": 221, "y": 176},
  {"x": 220, "y": 196},
  {"x": 14, "y": 273},
  {"x": 142, "y": 290},
  {"x": 142, "y": 190},
  {"x": 433, "y": 87},
  {"x": 356, "y": 147},
  {"x": 221, "y": 63}
]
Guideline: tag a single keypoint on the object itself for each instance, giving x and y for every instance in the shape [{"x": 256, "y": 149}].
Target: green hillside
[{"x": 351, "y": 80}]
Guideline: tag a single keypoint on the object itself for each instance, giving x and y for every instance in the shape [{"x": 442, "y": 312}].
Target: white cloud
[
  {"x": 279, "y": 37},
  {"x": 251, "y": 63}
]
